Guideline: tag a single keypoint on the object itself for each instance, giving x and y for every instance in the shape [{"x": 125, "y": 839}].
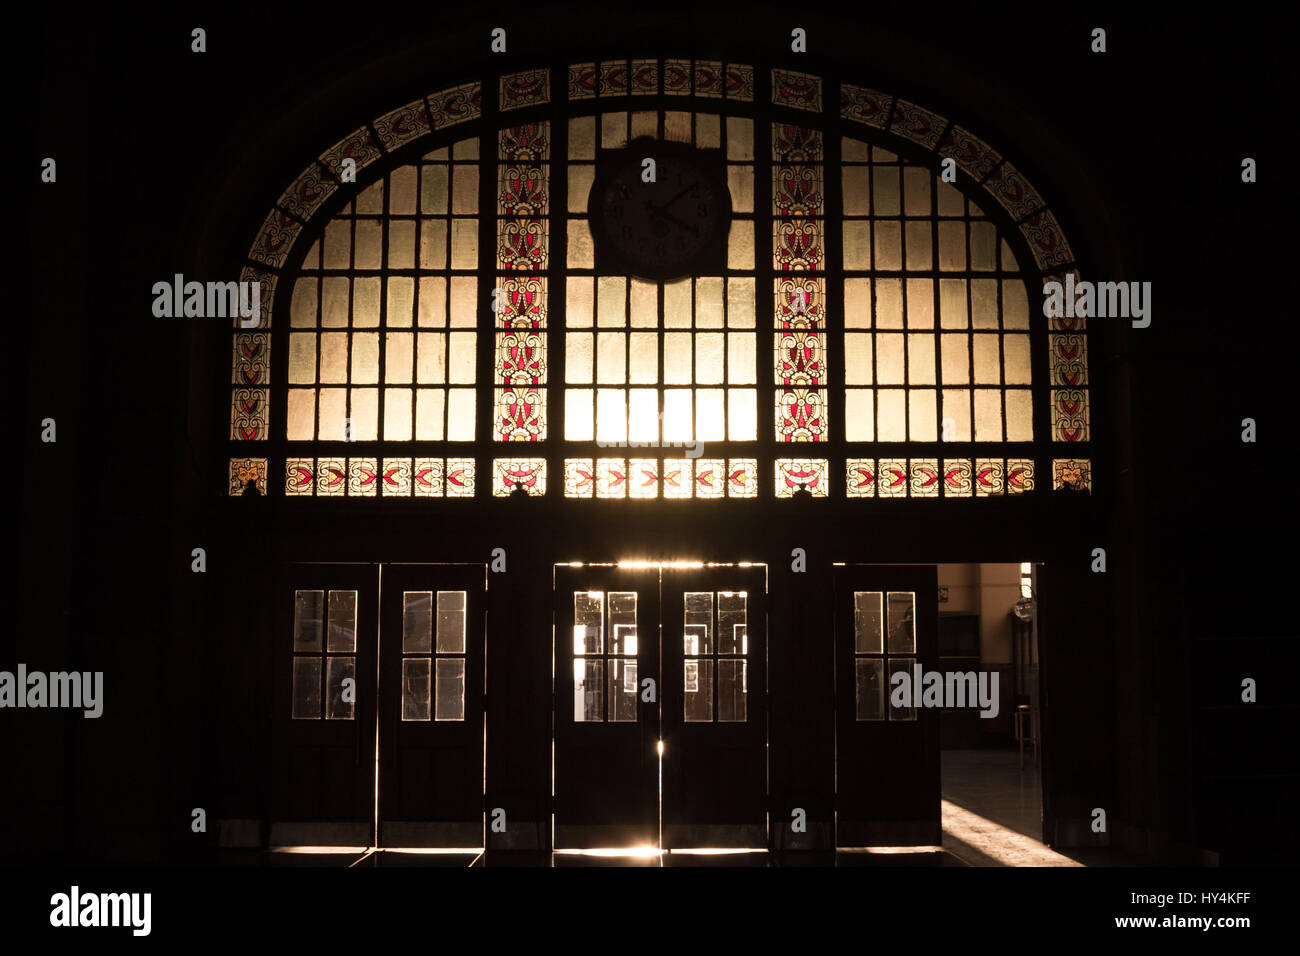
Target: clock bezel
[{"x": 610, "y": 258}]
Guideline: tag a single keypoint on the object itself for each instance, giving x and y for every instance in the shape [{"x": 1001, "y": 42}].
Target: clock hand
[
  {"x": 663, "y": 206},
  {"x": 693, "y": 230}
]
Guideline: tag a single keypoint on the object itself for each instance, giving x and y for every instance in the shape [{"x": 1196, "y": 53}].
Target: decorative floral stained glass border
[{"x": 800, "y": 357}]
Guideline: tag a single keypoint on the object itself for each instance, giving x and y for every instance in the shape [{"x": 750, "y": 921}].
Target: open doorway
[{"x": 990, "y": 767}]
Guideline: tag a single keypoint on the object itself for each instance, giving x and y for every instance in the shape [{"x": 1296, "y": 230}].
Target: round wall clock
[{"x": 660, "y": 221}]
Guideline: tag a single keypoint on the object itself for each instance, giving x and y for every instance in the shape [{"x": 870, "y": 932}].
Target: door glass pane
[
  {"x": 732, "y": 681},
  {"x": 698, "y": 629},
  {"x": 733, "y": 632},
  {"x": 698, "y": 690},
  {"x": 622, "y": 622},
  {"x": 308, "y": 620},
  {"x": 868, "y": 624},
  {"x": 902, "y": 665},
  {"x": 588, "y": 621},
  {"x": 343, "y": 621},
  {"x": 622, "y": 687},
  {"x": 341, "y": 700},
  {"x": 588, "y": 690},
  {"x": 415, "y": 688},
  {"x": 451, "y": 622},
  {"x": 306, "y": 688},
  {"x": 417, "y": 625},
  {"x": 870, "y": 691},
  {"x": 451, "y": 688},
  {"x": 902, "y": 630}
]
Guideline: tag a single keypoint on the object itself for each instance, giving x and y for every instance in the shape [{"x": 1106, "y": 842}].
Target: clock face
[{"x": 672, "y": 226}]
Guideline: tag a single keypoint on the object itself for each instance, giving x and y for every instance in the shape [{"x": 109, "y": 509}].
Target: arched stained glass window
[{"x": 443, "y": 319}]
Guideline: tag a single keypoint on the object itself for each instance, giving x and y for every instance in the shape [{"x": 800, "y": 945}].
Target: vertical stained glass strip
[
  {"x": 798, "y": 247},
  {"x": 519, "y": 301}
]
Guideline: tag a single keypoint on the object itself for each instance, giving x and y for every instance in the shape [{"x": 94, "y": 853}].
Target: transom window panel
[
  {"x": 936, "y": 340},
  {"x": 519, "y": 297},
  {"x": 383, "y": 339}
]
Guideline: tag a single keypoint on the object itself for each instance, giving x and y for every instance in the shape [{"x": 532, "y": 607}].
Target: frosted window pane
[
  {"x": 858, "y": 415},
  {"x": 461, "y": 357},
  {"x": 742, "y": 414},
  {"x": 302, "y": 307},
  {"x": 578, "y": 414},
  {"x": 433, "y": 302},
  {"x": 923, "y": 424},
  {"x": 415, "y": 689},
  {"x": 451, "y": 622},
  {"x": 888, "y": 236},
  {"x": 460, "y": 414},
  {"x": 611, "y": 414},
  {"x": 365, "y": 358},
  {"x": 984, "y": 303},
  {"x": 464, "y": 188},
  {"x": 916, "y": 190},
  {"x": 302, "y": 358},
  {"x": 920, "y": 359},
  {"x": 611, "y": 358},
  {"x": 578, "y": 357},
  {"x": 433, "y": 244},
  {"x": 644, "y": 358},
  {"x": 952, "y": 303},
  {"x": 740, "y": 183},
  {"x": 740, "y": 138},
  {"x": 677, "y": 358},
  {"x": 741, "y": 360},
  {"x": 644, "y": 304},
  {"x": 856, "y": 201},
  {"x": 987, "y": 368},
  {"x": 429, "y": 406},
  {"x": 369, "y": 244},
  {"x": 464, "y": 311},
  {"x": 889, "y": 303},
  {"x": 334, "y": 357},
  {"x": 582, "y": 249},
  {"x": 611, "y": 302},
  {"x": 366, "y": 293},
  {"x": 709, "y": 421},
  {"x": 433, "y": 189},
  {"x": 581, "y": 177},
  {"x": 884, "y": 189},
  {"x": 397, "y": 414},
  {"x": 956, "y": 407},
  {"x": 889, "y": 358},
  {"x": 677, "y": 304},
  {"x": 401, "y": 244},
  {"x": 918, "y": 245},
  {"x": 1015, "y": 305},
  {"x": 301, "y": 415},
  {"x": 333, "y": 409},
  {"x": 740, "y": 303},
  {"x": 1020, "y": 419},
  {"x": 920, "y": 303},
  {"x": 677, "y": 414},
  {"x": 857, "y": 303},
  {"x": 432, "y": 354},
  {"x": 857, "y": 358},
  {"x": 399, "y": 350},
  {"x": 401, "y": 301},
  {"x": 988, "y": 414},
  {"x": 580, "y": 297},
  {"x": 983, "y": 247},
  {"x": 857, "y": 244},
  {"x": 740, "y": 245},
  {"x": 643, "y": 414},
  {"x": 952, "y": 246},
  {"x": 891, "y": 424},
  {"x": 708, "y": 358},
  {"x": 708, "y": 303},
  {"x": 956, "y": 358},
  {"x": 1015, "y": 351}
]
